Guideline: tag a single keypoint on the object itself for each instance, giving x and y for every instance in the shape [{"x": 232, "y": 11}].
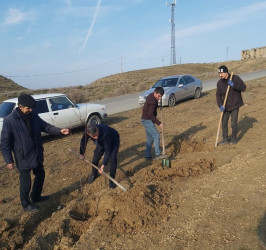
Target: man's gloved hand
[
  {"x": 222, "y": 108},
  {"x": 230, "y": 82}
]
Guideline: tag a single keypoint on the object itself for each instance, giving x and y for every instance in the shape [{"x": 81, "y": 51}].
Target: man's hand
[
  {"x": 101, "y": 169},
  {"x": 81, "y": 157},
  {"x": 230, "y": 82},
  {"x": 10, "y": 165},
  {"x": 161, "y": 125},
  {"x": 65, "y": 131},
  {"x": 222, "y": 108}
]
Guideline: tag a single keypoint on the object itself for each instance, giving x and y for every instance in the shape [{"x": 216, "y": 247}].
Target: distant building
[{"x": 254, "y": 53}]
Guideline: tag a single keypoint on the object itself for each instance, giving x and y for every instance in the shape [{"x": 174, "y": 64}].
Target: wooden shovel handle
[
  {"x": 106, "y": 175},
  {"x": 163, "y": 143}
]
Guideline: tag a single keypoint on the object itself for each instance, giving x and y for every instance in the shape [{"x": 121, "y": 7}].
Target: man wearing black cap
[
  {"x": 233, "y": 103},
  {"x": 21, "y": 134}
]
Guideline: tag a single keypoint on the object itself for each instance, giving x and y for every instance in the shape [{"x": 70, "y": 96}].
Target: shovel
[
  {"x": 221, "y": 116},
  {"x": 165, "y": 162},
  {"x": 163, "y": 145},
  {"x": 106, "y": 175}
]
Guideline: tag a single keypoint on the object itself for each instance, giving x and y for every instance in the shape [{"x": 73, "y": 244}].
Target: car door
[
  {"x": 64, "y": 113},
  {"x": 190, "y": 86},
  {"x": 182, "y": 89},
  {"x": 41, "y": 108}
]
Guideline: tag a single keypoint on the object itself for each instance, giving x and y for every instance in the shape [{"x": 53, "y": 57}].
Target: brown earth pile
[{"x": 210, "y": 198}]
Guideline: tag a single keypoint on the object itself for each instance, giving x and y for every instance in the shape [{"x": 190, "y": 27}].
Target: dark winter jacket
[
  {"x": 234, "y": 98},
  {"x": 27, "y": 147},
  {"x": 149, "y": 111},
  {"x": 108, "y": 138}
]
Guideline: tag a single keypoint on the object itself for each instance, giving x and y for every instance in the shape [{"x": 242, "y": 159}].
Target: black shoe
[
  {"x": 148, "y": 158},
  {"x": 92, "y": 179},
  {"x": 233, "y": 141},
  {"x": 223, "y": 142},
  {"x": 31, "y": 208},
  {"x": 40, "y": 199}
]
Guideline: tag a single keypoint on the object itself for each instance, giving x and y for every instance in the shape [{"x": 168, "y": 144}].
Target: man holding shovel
[
  {"x": 149, "y": 120},
  {"x": 107, "y": 143},
  {"x": 233, "y": 102}
]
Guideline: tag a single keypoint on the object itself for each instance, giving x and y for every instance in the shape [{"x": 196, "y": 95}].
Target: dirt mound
[{"x": 207, "y": 198}]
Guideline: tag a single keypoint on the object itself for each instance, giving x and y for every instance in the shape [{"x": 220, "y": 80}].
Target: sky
[{"x": 60, "y": 43}]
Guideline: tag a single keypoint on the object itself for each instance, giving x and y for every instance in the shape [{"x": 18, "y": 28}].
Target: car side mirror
[{"x": 180, "y": 85}]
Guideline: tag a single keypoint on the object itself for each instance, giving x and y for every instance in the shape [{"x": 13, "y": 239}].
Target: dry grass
[{"x": 135, "y": 81}]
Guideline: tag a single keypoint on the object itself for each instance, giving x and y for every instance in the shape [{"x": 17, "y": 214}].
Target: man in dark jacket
[
  {"x": 233, "y": 103},
  {"x": 21, "y": 134},
  {"x": 107, "y": 143},
  {"x": 148, "y": 119}
]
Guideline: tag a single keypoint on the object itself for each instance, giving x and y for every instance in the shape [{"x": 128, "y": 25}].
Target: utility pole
[
  {"x": 121, "y": 65},
  {"x": 172, "y": 21}
]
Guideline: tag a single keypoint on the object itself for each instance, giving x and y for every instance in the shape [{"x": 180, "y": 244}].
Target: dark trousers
[
  {"x": 234, "y": 118},
  {"x": 98, "y": 153},
  {"x": 25, "y": 184}
]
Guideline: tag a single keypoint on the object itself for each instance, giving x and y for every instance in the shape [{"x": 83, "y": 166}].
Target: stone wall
[{"x": 253, "y": 53}]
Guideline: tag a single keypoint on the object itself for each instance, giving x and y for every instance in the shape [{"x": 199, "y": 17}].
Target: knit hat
[
  {"x": 223, "y": 69},
  {"x": 26, "y": 101}
]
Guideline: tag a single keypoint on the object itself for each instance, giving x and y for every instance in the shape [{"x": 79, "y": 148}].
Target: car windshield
[
  {"x": 171, "y": 82},
  {"x": 6, "y": 108}
]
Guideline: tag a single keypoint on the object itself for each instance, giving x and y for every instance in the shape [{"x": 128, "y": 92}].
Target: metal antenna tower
[{"x": 172, "y": 21}]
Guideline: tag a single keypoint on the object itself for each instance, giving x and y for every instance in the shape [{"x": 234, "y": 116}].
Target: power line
[{"x": 67, "y": 72}]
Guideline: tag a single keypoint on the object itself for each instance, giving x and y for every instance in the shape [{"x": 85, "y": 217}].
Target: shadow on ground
[{"x": 261, "y": 231}]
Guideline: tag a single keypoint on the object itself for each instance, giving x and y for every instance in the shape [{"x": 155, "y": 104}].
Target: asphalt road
[{"x": 129, "y": 102}]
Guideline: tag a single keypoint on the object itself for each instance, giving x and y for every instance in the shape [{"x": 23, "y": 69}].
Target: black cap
[
  {"x": 223, "y": 69},
  {"x": 26, "y": 101}
]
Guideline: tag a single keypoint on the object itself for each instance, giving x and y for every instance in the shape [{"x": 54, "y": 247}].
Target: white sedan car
[{"x": 59, "y": 110}]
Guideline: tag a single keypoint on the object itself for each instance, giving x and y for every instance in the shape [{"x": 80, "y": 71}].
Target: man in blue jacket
[
  {"x": 21, "y": 134},
  {"x": 107, "y": 143}
]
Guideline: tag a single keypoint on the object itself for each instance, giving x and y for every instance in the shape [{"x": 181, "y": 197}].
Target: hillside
[
  {"x": 9, "y": 88},
  {"x": 210, "y": 198},
  {"x": 136, "y": 81}
]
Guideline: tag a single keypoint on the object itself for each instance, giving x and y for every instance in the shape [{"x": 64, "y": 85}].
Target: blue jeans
[{"x": 152, "y": 135}]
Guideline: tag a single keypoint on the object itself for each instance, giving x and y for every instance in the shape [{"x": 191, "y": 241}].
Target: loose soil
[{"x": 209, "y": 198}]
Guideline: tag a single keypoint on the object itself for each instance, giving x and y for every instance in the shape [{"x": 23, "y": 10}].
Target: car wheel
[
  {"x": 197, "y": 93},
  {"x": 93, "y": 119},
  {"x": 172, "y": 100}
]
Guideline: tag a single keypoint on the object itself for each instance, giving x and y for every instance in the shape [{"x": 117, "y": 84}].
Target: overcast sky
[{"x": 59, "y": 43}]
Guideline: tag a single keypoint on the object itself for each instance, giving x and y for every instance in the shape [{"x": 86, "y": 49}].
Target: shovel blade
[{"x": 166, "y": 163}]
